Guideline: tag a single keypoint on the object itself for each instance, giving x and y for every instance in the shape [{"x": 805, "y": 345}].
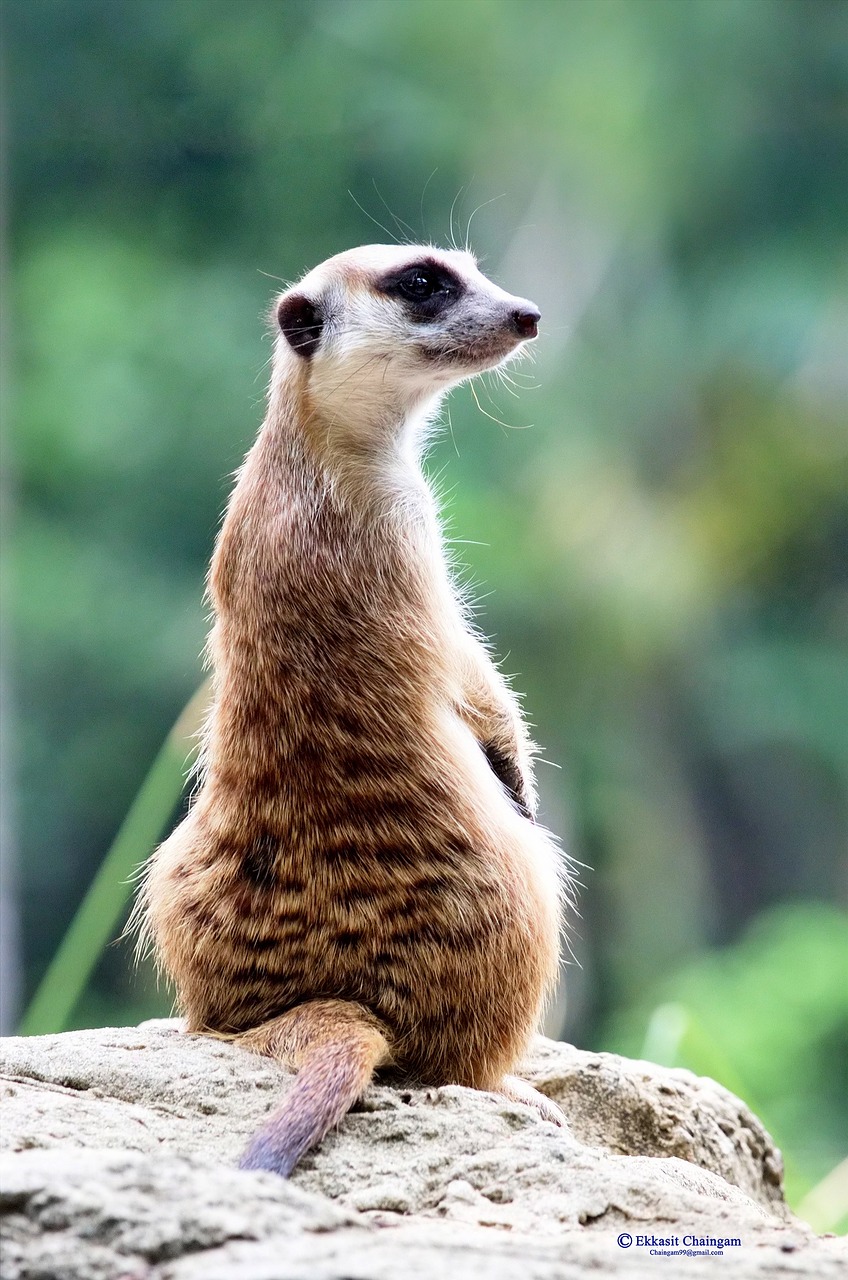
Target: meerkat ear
[{"x": 301, "y": 321}]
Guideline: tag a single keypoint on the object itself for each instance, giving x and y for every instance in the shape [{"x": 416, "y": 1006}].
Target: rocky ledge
[{"x": 119, "y": 1153}]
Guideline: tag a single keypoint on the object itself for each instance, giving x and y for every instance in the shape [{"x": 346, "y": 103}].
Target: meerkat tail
[{"x": 336, "y": 1046}]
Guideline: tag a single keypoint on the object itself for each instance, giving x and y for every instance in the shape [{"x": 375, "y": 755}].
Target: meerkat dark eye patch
[
  {"x": 425, "y": 288},
  {"x": 301, "y": 321}
]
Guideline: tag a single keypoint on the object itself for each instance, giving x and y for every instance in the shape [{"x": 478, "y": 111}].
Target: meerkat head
[{"x": 379, "y": 332}]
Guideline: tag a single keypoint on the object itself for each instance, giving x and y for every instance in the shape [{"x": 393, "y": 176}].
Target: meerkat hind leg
[
  {"x": 335, "y": 1046},
  {"x": 517, "y": 1090}
]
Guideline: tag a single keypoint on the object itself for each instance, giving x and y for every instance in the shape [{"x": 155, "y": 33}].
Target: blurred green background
[{"x": 661, "y": 559}]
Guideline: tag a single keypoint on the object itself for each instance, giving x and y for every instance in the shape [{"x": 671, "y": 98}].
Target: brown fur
[{"x": 357, "y": 882}]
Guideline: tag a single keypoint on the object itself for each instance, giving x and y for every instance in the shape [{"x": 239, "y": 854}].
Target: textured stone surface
[{"x": 119, "y": 1147}]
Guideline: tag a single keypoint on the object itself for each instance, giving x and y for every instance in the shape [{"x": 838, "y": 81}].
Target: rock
[
  {"x": 119, "y": 1151},
  {"x": 635, "y": 1108}
]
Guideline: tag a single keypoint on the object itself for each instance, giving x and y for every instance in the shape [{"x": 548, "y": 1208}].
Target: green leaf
[{"x": 103, "y": 905}]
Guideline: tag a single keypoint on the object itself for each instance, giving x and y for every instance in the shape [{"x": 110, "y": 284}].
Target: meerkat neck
[{"x": 372, "y": 467}]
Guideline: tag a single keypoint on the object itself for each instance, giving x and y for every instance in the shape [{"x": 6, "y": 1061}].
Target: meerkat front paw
[{"x": 517, "y": 1090}]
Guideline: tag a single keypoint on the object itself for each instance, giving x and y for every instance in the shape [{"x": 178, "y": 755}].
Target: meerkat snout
[{"x": 526, "y": 320}]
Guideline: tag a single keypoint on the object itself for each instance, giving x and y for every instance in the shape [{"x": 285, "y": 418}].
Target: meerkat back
[{"x": 360, "y": 881}]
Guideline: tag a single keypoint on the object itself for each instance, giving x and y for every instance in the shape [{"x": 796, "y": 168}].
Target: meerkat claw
[{"x": 517, "y": 1090}]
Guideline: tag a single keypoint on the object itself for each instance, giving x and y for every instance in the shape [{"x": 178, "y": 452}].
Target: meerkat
[{"x": 360, "y": 882}]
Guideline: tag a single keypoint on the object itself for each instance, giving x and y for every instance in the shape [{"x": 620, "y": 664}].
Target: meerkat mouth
[{"x": 472, "y": 357}]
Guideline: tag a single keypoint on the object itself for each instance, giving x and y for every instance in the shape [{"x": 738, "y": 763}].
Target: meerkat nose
[{"x": 526, "y": 320}]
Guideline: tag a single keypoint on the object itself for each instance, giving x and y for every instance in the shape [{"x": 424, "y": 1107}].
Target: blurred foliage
[
  {"x": 662, "y": 559},
  {"x": 769, "y": 1017}
]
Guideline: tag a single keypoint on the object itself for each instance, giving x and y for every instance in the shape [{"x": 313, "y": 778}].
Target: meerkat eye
[{"x": 420, "y": 283}]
